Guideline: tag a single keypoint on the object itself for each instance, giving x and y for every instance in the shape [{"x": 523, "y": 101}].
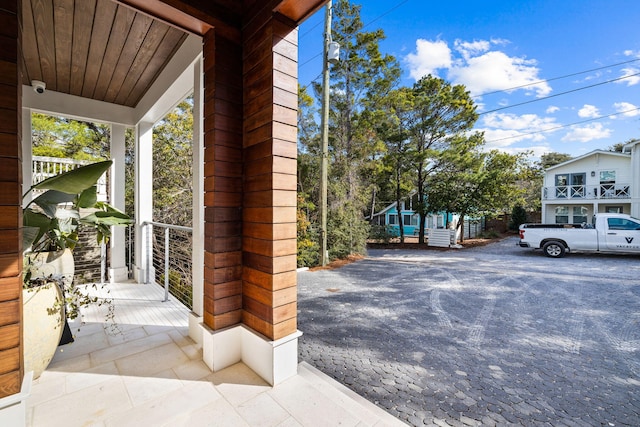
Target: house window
[
  {"x": 393, "y": 219},
  {"x": 607, "y": 177},
  {"x": 561, "y": 186},
  {"x": 562, "y": 215},
  {"x": 415, "y": 219},
  {"x": 570, "y": 185},
  {"x": 580, "y": 214},
  {"x": 406, "y": 219},
  {"x": 578, "y": 181},
  {"x": 613, "y": 209},
  {"x": 607, "y": 184}
]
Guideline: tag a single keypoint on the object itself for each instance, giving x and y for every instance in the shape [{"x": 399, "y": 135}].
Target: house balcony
[{"x": 587, "y": 192}]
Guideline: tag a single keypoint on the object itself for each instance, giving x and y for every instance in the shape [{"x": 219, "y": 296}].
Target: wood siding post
[
  {"x": 270, "y": 72},
  {"x": 250, "y": 126},
  {"x": 11, "y": 365},
  {"x": 223, "y": 176}
]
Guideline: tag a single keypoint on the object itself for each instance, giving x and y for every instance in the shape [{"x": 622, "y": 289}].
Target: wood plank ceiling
[{"x": 95, "y": 49}]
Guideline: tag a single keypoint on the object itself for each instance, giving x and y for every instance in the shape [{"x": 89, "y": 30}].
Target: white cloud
[
  {"x": 526, "y": 122},
  {"x": 469, "y": 49},
  {"x": 588, "y": 111},
  {"x": 552, "y": 109},
  {"x": 587, "y": 133},
  {"x": 626, "y": 109},
  {"x": 631, "y": 76},
  {"x": 429, "y": 57},
  {"x": 503, "y": 130},
  {"x": 477, "y": 66}
]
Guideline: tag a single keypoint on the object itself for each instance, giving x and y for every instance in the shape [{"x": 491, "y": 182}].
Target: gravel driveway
[{"x": 493, "y": 335}]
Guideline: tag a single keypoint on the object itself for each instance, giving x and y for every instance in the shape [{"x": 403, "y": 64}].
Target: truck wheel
[{"x": 554, "y": 249}]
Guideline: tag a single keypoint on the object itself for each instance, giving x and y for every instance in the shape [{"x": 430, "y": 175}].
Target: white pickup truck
[{"x": 608, "y": 233}]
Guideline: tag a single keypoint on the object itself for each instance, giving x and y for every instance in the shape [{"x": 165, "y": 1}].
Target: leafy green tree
[
  {"x": 358, "y": 81},
  {"x": 551, "y": 159},
  {"x": 308, "y": 247},
  {"x": 62, "y": 137},
  {"x": 172, "y": 166},
  {"x": 392, "y": 126},
  {"x": 441, "y": 112},
  {"x": 532, "y": 177},
  {"x": 308, "y": 179},
  {"x": 480, "y": 183}
]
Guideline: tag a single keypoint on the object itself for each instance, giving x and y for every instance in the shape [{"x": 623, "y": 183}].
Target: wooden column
[
  {"x": 223, "y": 176},
  {"x": 10, "y": 200},
  {"x": 269, "y": 218}
]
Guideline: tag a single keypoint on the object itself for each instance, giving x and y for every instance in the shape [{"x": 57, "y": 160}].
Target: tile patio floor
[{"x": 148, "y": 372}]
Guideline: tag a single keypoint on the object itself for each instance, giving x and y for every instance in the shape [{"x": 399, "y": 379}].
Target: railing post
[
  {"x": 103, "y": 262},
  {"x": 166, "y": 264},
  {"x": 148, "y": 251}
]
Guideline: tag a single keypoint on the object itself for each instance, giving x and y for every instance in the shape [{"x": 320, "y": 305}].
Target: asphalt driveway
[{"x": 494, "y": 335}]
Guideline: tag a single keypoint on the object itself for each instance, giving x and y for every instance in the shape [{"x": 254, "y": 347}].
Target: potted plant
[{"x": 50, "y": 232}]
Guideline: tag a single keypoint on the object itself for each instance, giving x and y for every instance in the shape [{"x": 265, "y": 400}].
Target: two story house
[{"x": 597, "y": 182}]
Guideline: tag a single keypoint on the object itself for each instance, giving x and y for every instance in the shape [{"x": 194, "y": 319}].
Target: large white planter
[
  {"x": 57, "y": 264},
  {"x": 43, "y": 321},
  {"x": 43, "y": 310}
]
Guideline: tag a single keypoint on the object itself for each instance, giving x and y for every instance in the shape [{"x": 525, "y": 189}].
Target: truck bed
[{"x": 554, "y": 226}]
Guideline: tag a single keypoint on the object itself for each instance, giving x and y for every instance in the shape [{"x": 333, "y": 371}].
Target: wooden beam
[
  {"x": 187, "y": 17},
  {"x": 299, "y": 10},
  {"x": 10, "y": 199}
]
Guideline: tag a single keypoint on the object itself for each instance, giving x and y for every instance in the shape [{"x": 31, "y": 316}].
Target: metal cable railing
[{"x": 169, "y": 265}]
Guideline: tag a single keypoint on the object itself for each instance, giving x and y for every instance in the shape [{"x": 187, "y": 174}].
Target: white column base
[
  {"x": 195, "y": 328},
  {"x": 13, "y": 408},
  {"x": 274, "y": 361},
  {"x": 138, "y": 274},
  {"x": 118, "y": 275}
]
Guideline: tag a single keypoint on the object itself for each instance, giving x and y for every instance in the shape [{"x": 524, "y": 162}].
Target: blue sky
[{"x": 552, "y": 46}]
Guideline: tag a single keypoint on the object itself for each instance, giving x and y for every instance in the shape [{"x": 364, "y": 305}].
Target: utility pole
[{"x": 324, "y": 253}]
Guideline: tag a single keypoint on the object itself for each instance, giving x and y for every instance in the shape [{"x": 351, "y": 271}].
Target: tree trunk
[
  {"x": 399, "y": 207},
  {"x": 421, "y": 207}
]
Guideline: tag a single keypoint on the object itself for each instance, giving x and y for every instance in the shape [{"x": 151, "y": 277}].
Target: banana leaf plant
[{"x": 51, "y": 220}]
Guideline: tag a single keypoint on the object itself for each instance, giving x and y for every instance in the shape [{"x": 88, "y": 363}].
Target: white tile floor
[{"x": 148, "y": 372}]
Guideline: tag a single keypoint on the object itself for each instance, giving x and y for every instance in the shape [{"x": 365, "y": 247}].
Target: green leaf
[
  {"x": 77, "y": 180},
  {"x": 88, "y": 198},
  {"x": 107, "y": 218},
  {"x": 50, "y": 200},
  {"x": 33, "y": 221},
  {"x": 29, "y": 235}
]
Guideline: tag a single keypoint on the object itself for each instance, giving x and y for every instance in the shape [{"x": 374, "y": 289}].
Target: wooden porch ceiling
[
  {"x": 95, "y": 49},
  {"x": 113, "y": 50}
]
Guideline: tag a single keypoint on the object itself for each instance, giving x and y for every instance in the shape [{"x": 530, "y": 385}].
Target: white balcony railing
[
  {"x": 587, "y": 192},
  {"x": 46, "y": 167}
]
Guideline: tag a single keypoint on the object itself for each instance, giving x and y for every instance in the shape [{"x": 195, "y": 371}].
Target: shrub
[
  {"x": 381, "y": 233},
  {"x": 518, "y": 217}
]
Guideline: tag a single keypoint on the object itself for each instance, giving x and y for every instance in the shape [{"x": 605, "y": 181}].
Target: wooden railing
[{"x": 587, "y": 192}]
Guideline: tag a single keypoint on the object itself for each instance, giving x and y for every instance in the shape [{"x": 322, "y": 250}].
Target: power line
[
  {"x": 563, "y": 126},
  {"x": 556, "y": 78},
  {"x": 312, "y": 81},
  {"x": 363, "y": 27},
  {"x": 386, "y": 13},
  {"x": 558, "y": 94},
  {"x": 306, "y": 33}
]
